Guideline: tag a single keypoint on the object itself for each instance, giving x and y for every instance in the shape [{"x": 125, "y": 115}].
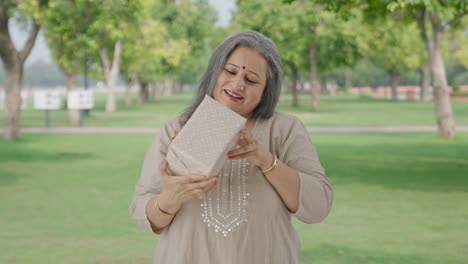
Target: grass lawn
[
  {"x": 399, "y": 198},
  {"x": 344, "y": 110}
]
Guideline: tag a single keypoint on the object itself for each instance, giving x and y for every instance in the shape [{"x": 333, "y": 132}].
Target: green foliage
[
  {"x": 365, "y": 73},
  {"x": 74, "y": 26},
  {"x": 279, "y": 22},
  {"x": 445, "y": 12},
  {"x": 148, "y": 46},
  {"x": 66, "y": 33},
  {"x": 293, "y": 26},
  {"x": 193, "y": 23},
  {"x": 172, "y": 39},
  {"x": 34, "y": 9},
  {"x": 460, "y": 43},
  {"x": 395, "y": 46}
]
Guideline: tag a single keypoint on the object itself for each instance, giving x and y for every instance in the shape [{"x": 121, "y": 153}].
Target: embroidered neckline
[{"x": 225, "y": 208}]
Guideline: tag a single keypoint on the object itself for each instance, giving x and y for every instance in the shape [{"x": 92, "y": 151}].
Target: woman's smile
[
  {"x": 233, "y": 96},
  {"x": 241, "y": 83}
]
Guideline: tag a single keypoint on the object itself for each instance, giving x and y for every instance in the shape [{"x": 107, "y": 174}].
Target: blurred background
[{"x": 381, "y": 85}]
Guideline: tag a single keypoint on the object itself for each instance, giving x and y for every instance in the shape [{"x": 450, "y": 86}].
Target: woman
[{"x": 244, "y": 214}]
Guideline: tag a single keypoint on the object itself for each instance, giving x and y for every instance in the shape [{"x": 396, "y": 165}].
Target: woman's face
[{"x": 241, "y": 83}]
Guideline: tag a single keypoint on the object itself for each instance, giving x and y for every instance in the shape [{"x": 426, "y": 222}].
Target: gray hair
[{"x": 247, "y": 39}]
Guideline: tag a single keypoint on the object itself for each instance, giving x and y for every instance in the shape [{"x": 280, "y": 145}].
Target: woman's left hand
[{"x": 250, "y": 149}]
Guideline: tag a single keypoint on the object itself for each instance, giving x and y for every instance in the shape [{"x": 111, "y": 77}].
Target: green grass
[
  {"x": 344, "y": 110},
  {"x": 399, "y": 198}
]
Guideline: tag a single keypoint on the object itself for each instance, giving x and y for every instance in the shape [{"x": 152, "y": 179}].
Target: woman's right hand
[{"x": 179, "y": 189}]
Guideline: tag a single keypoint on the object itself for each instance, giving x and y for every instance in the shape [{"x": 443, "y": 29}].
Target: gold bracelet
[
  {"x": 275, "y": 162},
  {"x": 159, "y": 208}
]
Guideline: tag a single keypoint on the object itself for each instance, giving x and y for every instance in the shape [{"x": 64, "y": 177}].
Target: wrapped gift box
[{"x": 201, "y": 146}]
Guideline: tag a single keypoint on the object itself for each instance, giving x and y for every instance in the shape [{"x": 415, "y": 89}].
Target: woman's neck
[{"x": 250, "y": 123}]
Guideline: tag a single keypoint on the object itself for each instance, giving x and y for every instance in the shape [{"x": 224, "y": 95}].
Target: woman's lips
[{"x": 233, "y": 96}]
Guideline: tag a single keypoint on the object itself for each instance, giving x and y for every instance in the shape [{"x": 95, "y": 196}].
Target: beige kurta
[{"x": 242, "y": 220}]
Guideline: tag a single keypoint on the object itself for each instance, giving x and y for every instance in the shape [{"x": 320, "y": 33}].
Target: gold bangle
[
  {"x": 162, "y": 211},
  {"x": 275, "y": 162}
]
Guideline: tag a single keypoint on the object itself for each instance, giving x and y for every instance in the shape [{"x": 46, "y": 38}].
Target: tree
[
  {"x": 193, "y": 23},
  {"x": 109, "y": 23},
  {"x": 279, "y": 22},
  {"x": 435, "y": 18},
  {"x": 13, "y": 59},
  {"x": 65, "y": 32},
  {"x": 307, "y": 36},
  {"x": 395, "y": 47},
  {"x": 150, "y": 50}
]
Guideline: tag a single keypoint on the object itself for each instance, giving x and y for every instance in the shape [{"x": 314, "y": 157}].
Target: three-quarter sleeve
[
  {"x": 315, "y": 193},
  {"x": 149, "y": 184}
]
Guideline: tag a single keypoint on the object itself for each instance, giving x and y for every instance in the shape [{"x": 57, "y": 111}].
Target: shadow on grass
[
  {"x": 326, "y": 253},
  {"x": 20, "y": 151},
  {"x": 407, "y": 166},
  {"x": 7, "y": 177}
]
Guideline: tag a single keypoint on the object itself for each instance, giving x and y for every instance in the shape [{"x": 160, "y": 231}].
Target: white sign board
[
  {"x": 80, "y": 99},
  {"x": 24, "y": 100},
  {"x": 47, "y": 100}
]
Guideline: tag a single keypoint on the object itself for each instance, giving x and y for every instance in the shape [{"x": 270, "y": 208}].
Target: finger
[
  {"x": 242, "y": 138},
  {"x": 195, "y": 179},
  {"x": 164, "y": 168},
  {"x": 199, "y": 186},
  {"x": 241, "y": 150},
  {"x": 246, "y": 135},
  {"x": 210, "y": 186},
  {"x": 213, "y": 185},
  {"x": 245, "y": 155}
]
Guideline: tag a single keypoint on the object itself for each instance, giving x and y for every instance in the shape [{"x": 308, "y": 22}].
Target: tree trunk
[
  {"x": 111, "y": 72},
  {"x": 293, "y": 84},
  {"x": 129, "y": 91},
  {"x": 443, "y": 105},
  {"x": 13, "y": 61},
  {"x": 394, "y": 80},
  {"x": 128, "y": 95},
  {"x": 156, "y": 92},
  {"x": 315, "y": 86},
  {"x": 323, "y": 85},
  {"x": 424, "y": 82},
  {"x": 73, "y": 114},
  {"x": 12, "y": 110},
  {"x": 177, "y": 87},
  {"x": 168, "y": 87},
  {"x": 333, "y": 87},
  {"x": 347, "y": 82},
  {"x": 426, "y": 67},
  {"x": 144, "y": 93}
]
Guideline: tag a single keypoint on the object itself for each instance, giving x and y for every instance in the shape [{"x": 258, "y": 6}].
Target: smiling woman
[
  {"x": 240, "y": 85},
  {"x": 244, "y": 214}
]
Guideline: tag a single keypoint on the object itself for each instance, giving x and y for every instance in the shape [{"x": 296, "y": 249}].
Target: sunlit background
[{"x": 382, "y": 87}]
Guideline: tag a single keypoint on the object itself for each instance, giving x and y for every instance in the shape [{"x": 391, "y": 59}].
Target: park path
[{"x": 148, "y": 130}]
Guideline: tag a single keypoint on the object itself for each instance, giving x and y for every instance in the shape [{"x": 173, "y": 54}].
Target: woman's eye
[
  {"x": 250, "y": 81},
  {"x": 230, "y": 72}
]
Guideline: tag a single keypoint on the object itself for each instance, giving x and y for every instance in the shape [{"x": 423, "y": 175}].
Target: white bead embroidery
[{"x": 225, "y": 208}]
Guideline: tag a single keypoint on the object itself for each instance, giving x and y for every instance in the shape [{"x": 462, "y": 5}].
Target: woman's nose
[{"x": 240, "y": 83}]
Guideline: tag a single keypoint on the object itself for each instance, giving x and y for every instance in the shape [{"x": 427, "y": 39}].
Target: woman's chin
[{"x": 231, "y": 105}]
